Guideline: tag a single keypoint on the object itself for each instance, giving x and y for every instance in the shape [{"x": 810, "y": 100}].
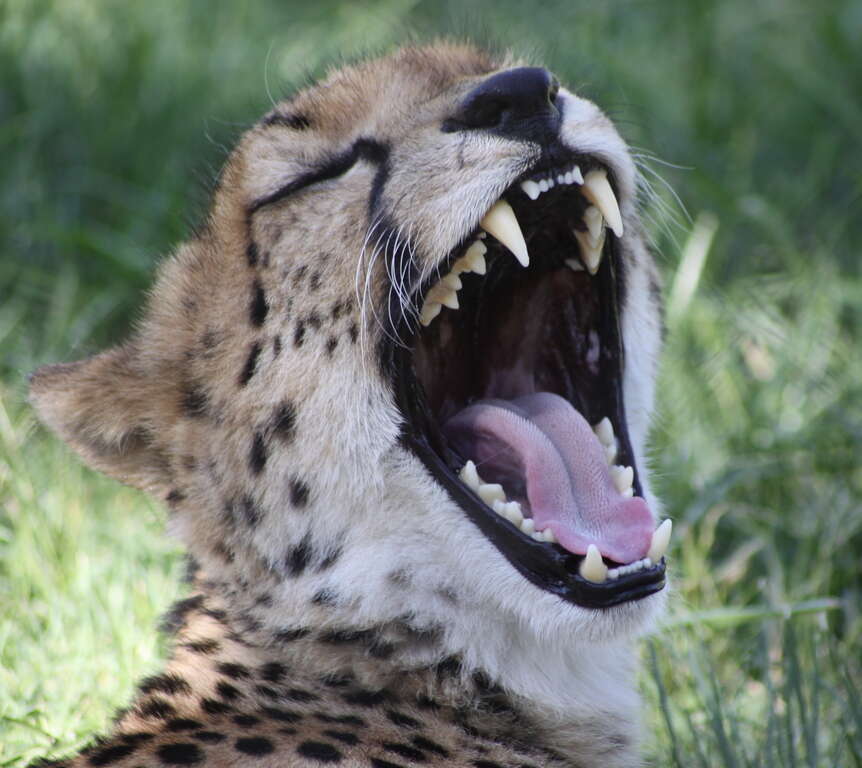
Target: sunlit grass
[{"x": 114, "y": 118}]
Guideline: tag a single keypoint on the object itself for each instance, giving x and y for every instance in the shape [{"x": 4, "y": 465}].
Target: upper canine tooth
[
  {"x": 501, "y": 222},
  {"x": 597, "y": 190},
  {"x": 660, "y": 540},
  {"x": 592, "y": 567},
  {"x": 531, "y": 189}
]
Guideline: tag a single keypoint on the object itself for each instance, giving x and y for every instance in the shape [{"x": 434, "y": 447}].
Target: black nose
[{"x": 518, "y": 103}]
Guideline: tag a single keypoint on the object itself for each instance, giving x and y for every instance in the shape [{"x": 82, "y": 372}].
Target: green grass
[{"x": 114, "y": 118}]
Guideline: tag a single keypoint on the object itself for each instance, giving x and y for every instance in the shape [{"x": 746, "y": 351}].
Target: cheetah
[{"x": 395, "y": 395}]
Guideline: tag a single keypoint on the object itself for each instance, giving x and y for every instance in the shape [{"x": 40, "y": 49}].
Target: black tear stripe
[{"x": 362, "y": 149}]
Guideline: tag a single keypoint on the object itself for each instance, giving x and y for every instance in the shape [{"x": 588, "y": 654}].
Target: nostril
[{"x": 518, "y": 102}]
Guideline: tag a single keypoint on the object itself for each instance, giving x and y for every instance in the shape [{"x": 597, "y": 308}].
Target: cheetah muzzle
[{"x": 516, "y": 353}]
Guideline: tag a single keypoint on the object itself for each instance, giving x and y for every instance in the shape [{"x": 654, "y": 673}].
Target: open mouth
[{"x": 511, "y": 388}]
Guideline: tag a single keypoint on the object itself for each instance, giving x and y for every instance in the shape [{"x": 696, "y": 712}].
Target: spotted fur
[{"x": 344, "y": 610}]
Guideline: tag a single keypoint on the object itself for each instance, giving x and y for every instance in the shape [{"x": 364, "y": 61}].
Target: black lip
[{"x": 549, "y": 567}]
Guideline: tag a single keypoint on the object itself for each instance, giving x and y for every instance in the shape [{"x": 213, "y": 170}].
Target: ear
[{"x": 102, "y": 407}]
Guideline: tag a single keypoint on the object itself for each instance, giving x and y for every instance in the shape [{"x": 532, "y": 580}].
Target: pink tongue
[{"x": 544, "y": 453}]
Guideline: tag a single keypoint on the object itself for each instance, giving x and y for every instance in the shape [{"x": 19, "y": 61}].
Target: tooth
[
  {"x": 452, "y": 281},
  {"x": 528, "y": 526},
  {"x": 623, "y": 477},
  {"x": 605, "y": 431},
  {"x": 500, "y": 221},
  {"x": 491, "y": 492},
  {"x": 561, "y": 178},
  {"x": 627, "y": 493},
  {"x": 531, "y": 189},
  {"x": 611, "y": 453},
  {"x": 512, "y": 512},
  {"x": 499, "y": 507},
  {"x": 575, "y": 265},
  {"x": 444, "y": 295},
  {"x": 597, "y": 190},
  {"x": 592, "y": 568},
  {"x": 430, "y": 310},
  {"x": 595, "y": 222},
  {"x": 577, "y": 177},
  {"x": 548, "y": 536},
  {"x": 614, "y": 573},
  {"x": 544, "y": 186},
  {"x": 591, "y": 252},
  {"x": 469, "y": 476},
  {"x": 473, "y": 259},
  {"x": 660, "y": 540},
  {"x": 569, "y": 177}
]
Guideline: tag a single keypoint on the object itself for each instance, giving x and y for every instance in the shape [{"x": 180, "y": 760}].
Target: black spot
[
  {"x": 136, "y": 738},
  {"x": 264, "y": 600},
  {"x": 250, "y": 510},
  {"x": 487, "y": 764},
  {"x": 429, "y": 746},
  {"x": 354, "y": 332},
  {"x": 380, "y": 649},
  {"x": 300, "y": 274},
  {"x": 227, "y": 691},
  {"x": 298, "y": 557},
  {"x": 258, "y": 454},
  {"x": 289, "y": 635},
  {"x": 299, "y": 492},
  {"x": 215, "y": 707},
  {"x": 170, "y": 683},
  {"x": 258, "y": 307},
  {"x": 364, "y": 698},
  {"x": 175, "y": 497},
  {"x": 314, "y": 281},
  {"x": 158, "y": 708},
  {"x": 109, "y": 755},
  {"x": 313, "y": 319},
  {"x": 194, "y": 401},
  {"x": 232, "y": 670},
  {"x": 276, "y": 346},
  {"x": 282, "y": 715},
  {"x": 345, "y": 737},
  {"x": 246, "y": 720},
  {"x": 339, "y": 308},
  {"x": 251, "y": 253},
  {"x": 377, "y": 762},
  {"x": 190, "y": 463},
  {"x": 297, "y": 694},
  {"x": 324, "y": 597},
  {"x": 273, "y": 672},
  {"x": 331, "y": 344},
  {"x": 329, "y": 558},
  {"x": 180, "y": 754},
  {"x": 450, "y": 667},
  {"x": 256, "y": 746},
  {"x": 319, "y": 750},
  {"x": 426, "y": 702},
  {"x": 182, "y": 724},
  {"x": 288, "y": 731},
  {"x": 208, "y": 737},
  {"x": 405, "y": 750},
  {"x": 205, "y": 647},
  {"x": 269, "y": 692},
  {"x": 402, "y": 720},
  {"x": 283, "y": 423},
  {"x": 216, "y": 614},
  {"x": 209, "y": 340},
  {"x": 250, "y": 364},
  {"x": 335, "y": 680},
  {"x": 340, "y": 719},
  {"x": 345, "y": 636},
  {"x": 299, "y": 333},
  {"x": 296, "y": 121}
]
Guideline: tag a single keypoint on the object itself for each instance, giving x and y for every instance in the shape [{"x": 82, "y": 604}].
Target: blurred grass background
[{"x": 114, "y": 118}]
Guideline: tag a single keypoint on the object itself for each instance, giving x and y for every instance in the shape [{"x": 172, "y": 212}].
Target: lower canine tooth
[
  {"x": 491, "y": 492},
  {"x": 660, "y": 540},
  {"x": 591, "y": 252},
  {"x": 592, "y": 567},
  {"x": 501, "y": 222},
  {"x": 595, "y": 223},
  {"x": 430, "y": 310},
  {"x": 597, "y": 190}
]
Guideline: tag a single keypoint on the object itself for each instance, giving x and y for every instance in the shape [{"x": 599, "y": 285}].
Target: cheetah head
[{"x": 404, "y": 371}]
